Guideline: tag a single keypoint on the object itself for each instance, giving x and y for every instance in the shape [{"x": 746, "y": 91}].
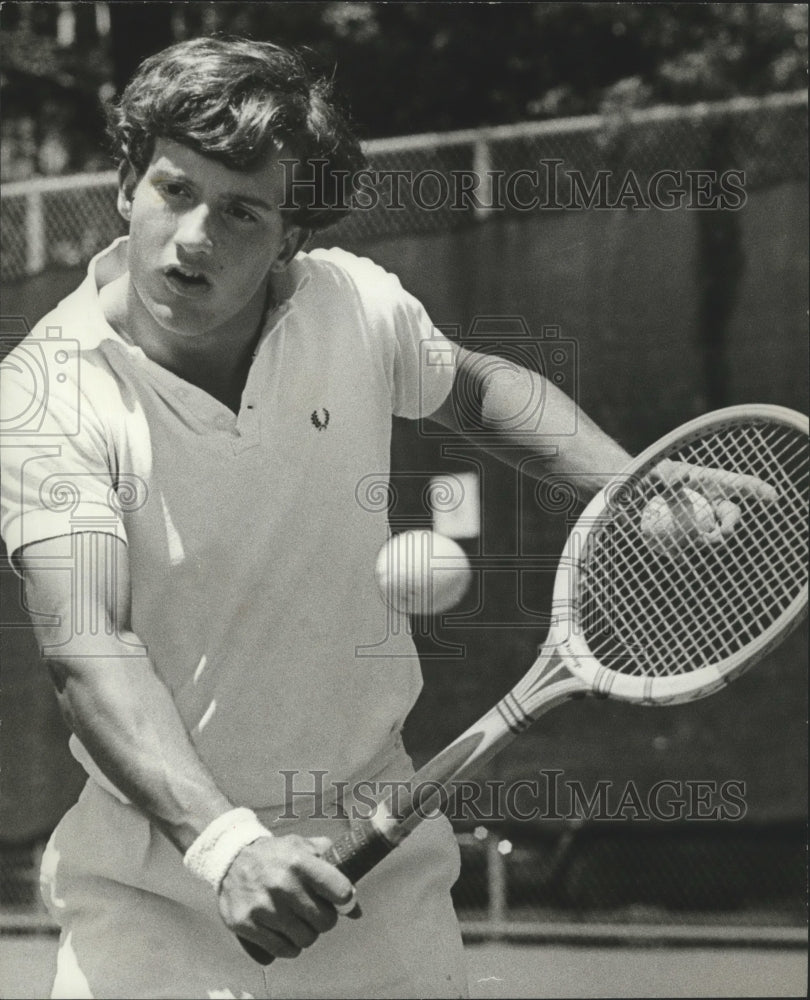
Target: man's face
[{"x": 203, "y": 239}]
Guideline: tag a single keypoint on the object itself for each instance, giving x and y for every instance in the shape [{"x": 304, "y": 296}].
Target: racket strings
[
  {"x": 773, "y": 460},
  {"x": 783, "y": 524},
  {"x": 648, "y": 611},
  {"x": 766, "y": 570},
  {"x": 782, "y": 468},
  {"x": 662, "y": 606},
  {"x": 707, "y": 620},
  {"x": 791, "y": 517}
]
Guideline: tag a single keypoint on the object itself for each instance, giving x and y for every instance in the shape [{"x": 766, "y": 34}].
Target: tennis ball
[
  {"x": 422, "y": 572},
  {"x": 667, "y": 522}
]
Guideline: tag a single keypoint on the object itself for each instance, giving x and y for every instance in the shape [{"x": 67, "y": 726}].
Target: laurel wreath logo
[{"x": 320, "y": 423}]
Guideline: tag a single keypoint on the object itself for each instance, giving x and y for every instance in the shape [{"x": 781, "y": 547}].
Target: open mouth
[{"x": 187, "y": 279}]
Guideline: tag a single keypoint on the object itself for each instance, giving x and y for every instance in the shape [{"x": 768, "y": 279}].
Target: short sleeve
[
  {"x": 56, "y": 475},
  {"x": 423, "y": 359}
]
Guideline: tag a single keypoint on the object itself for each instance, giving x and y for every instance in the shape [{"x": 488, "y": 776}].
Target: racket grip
[
  {"x": 358, "y": 851},
  {"x": 354, "y": 855}
]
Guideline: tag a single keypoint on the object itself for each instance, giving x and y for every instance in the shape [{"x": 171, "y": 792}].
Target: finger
[
  {"x": 324, "y": 879},
  {"x": 257, "y": 953},
  {"x": 721, "y": 484},
  {"x": 263, "y": 944},
  {"x": 756, "y": 488},
  {"x": 724, "y": 484},
  {"x": 350, "y": 908},
  {"x": 713, "y": 483},
  {"x": 316, "y": 911},
  {"x": 669, "y": 472},
  {"x": 319, "y": 845},
  {"x": 728, "y": 515},
  {"x": 290, "y": 927}
]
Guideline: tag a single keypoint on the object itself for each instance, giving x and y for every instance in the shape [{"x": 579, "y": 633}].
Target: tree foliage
[
  {"x": 415, "y": 67},
  {"x": 409, "y": 67}
]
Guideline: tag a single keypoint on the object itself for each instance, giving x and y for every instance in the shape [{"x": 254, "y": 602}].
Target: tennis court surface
[{"x": 530, "y": 970}]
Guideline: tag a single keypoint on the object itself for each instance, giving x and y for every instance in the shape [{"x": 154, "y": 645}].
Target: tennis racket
[{"x": 653, "y": 602}]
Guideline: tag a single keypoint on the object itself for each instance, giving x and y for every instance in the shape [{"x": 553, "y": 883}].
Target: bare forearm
[
  {"x": 126, "y": 719},
  {"x": 520, "y": 417},
  {"x": 535, "y": 419}
]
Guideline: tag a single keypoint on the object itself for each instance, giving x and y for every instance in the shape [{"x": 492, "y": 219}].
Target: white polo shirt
[{"x": 252, "y": 538}]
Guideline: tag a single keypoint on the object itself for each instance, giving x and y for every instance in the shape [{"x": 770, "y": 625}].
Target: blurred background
[{"x": 662, "y": 315}]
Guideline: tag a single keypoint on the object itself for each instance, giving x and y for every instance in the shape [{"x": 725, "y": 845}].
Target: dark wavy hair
[{"x": 236, "y": 101}]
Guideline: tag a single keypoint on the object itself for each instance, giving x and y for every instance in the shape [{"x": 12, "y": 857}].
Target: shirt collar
[{"x": 111, "y": 262}]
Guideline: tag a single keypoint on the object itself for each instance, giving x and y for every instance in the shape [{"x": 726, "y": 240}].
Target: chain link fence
[
  {"x": 746, "y": 874},
  {"x": 432, "y": 183}
]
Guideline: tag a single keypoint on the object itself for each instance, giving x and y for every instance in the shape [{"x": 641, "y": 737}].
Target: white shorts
[{"x": 135, "y": 923}]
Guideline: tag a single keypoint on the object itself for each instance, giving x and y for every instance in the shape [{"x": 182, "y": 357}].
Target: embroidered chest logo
[{"x": 320, "y": 418}]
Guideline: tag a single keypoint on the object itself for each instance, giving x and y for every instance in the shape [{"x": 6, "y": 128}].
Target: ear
[
  {"x": 127, "y": 182},
  {"x": 294, "y": 238}
]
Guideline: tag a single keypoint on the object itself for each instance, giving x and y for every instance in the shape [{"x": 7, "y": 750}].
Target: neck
[
  {"x": 216, "y": 360},
  {"x": 222, "y": 349}
]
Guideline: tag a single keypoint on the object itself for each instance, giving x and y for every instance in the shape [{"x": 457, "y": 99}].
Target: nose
[{"x": 193, "y": 234}]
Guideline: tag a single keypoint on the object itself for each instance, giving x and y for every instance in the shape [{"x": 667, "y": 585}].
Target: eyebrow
[{"x": 173, "y": 174}]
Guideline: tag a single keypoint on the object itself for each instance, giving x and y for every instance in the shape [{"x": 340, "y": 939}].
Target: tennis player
[{"x": 200, "y": 571}]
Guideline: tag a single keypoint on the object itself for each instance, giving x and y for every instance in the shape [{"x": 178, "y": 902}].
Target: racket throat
[
  {"x": 549, "y": 683},
  {"x": 431, "y": 790},
  {"x": 434, "y": 785}
]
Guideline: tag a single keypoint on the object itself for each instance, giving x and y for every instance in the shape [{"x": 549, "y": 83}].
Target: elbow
[
  {"x": 67, "y": 688},
  {"x": 512, "y": 398},
  {"x": 79, "y": 675},
  {"x": 57, "y": 670}
]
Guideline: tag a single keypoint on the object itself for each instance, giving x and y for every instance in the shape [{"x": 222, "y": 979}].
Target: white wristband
[{"x": 213, "y": 852}]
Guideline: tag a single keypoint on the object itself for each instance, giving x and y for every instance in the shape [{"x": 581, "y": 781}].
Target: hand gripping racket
[{"x": 644, "y": 611}]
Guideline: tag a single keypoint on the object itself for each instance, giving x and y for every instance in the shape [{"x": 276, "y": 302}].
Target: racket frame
[{"x": 566, "y": 636}]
